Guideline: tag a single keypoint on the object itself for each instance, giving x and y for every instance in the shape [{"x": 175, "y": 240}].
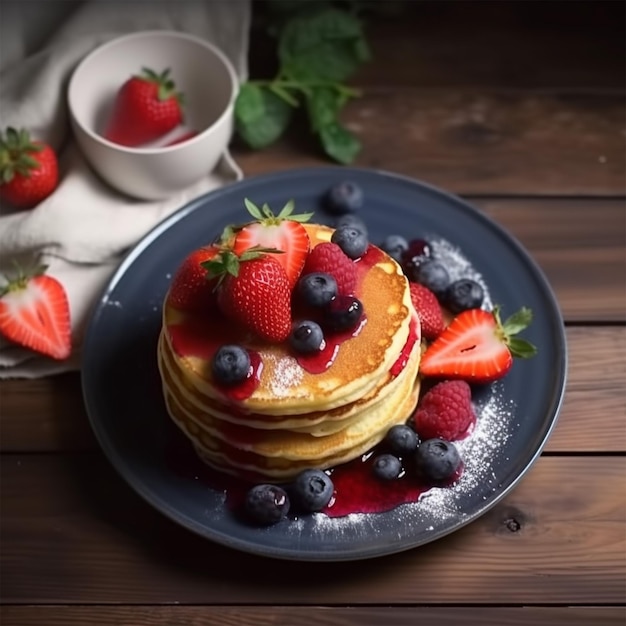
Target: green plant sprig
[{"x": 319, "y": 48}]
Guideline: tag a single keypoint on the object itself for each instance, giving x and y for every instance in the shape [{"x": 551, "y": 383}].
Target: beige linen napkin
[{"x": 82, "y": 231}]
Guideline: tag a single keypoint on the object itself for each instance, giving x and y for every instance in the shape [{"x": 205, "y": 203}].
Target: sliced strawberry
[
  {"x": 35, "y": 313},
  {"x": 283, "y": 233},
  {"x": 191, "y": 289},
  {"x": 477, "y": 347}
]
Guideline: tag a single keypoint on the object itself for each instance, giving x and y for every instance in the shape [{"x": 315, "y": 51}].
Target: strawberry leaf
[
  {"x": 253, "y": 209},
  {"x": 521, "y": 348},
  {"x": 518, "y": 321}
]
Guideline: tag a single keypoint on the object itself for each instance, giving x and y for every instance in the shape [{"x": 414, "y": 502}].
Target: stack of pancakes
[{"x": 295, "y": 419}]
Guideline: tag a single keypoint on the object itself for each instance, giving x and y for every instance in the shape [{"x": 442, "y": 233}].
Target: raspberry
[
  {"x": 445, "y": 411},
  {"x": 428, "y": 310},
  {"x": 329, "y": 258}
]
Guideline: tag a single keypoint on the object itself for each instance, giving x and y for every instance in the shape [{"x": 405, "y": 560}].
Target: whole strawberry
[
  {"x": 445, "y": 411},
  {"x": 29, "y": 170},
  {"x": 146, "y": 107},
  {"x": 253, "y": 289},
  {"x": 34, "y": 313},
  {"x": 329, "y": 258},
  {"x": 191, "y": 289},
  {"x": 428, "y": 310}
]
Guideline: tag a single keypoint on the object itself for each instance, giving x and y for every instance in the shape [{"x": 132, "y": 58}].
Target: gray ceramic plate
[{"x": 123, "y": 398}]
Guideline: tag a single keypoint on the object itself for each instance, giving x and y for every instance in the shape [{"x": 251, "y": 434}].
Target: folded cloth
[{"x": 82, "y": 231}]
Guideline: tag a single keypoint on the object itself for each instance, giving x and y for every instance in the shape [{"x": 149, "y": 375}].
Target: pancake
[
  {"x": 280, "y": 455},
  {"x": 297, "y": 415}
]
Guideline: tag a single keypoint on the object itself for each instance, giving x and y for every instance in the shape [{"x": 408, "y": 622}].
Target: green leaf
[
  {"x": 284, "y": 94},
  {"x": 261, "y": 116},
  {"x": 518, "y": 321},
  {"x": 323, "y": 106},
  {"x": 287, "y": 210},
  {"x": 253, "y": 209},
  {"x": 521, "y": 348},
  {"x": 339, "y": 143},
  {"x": 328, "y": 45}
]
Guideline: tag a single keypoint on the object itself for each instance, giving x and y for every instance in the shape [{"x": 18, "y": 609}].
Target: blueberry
[
  {"x": 351, "y": 240},
  {"x": 387, "y": 466},
  {"x": 316, "y": 289},
  {"x": 306, "y": 337},
  {"x": 352, "y": 221},
  {"x": 417, "y": 251},
  {"x": 437, "y": 461},
  {"x": 266, "y": 504},
  {"x": 394, "y": 246},
  {"x": 343, "y": 313},
  {"x": 433, "y": 275},
  {"x": 344, "y": 197},
  {"x": 230, "y": 364},
  {"x": 312, "y": 490},
  {"x": 402, "y": 439},
  {"x": 463, "y": 294}
]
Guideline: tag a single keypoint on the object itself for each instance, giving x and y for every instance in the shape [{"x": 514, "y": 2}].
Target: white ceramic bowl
[{"x": 201, "y": 72}]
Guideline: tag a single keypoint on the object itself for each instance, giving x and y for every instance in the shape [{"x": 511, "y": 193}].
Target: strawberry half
[
  {"x": 191, "y": 289},
  {"x": 282, "y": 234},
  {"x": 253, "y": 290},
  {"x": 35, "y": 313},
  {"x": 477, "y": 347}
]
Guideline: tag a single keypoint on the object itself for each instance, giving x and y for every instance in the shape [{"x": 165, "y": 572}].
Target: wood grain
[
  {"x": 476, "y": 142},
  {"x": 73, "y": 532},
  {"x": 306, "y": 616},
  {"x": 48, "y": 414}
]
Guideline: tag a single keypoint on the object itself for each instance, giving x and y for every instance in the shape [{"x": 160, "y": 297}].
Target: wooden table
[{"x": 519, "y": 108}]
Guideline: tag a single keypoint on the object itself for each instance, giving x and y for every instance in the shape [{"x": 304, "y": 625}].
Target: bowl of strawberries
[{"x": 153, "y": 111}]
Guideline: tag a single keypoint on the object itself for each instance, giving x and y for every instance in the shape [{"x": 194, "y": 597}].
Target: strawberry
[
  {"x": 329, "y": 258},
  {"x": 191, "y": 289},
  {"x": 282, "y": 233},
  {"x": 428, "y": 310},
  {"x": 29, "y": 170},
  {"x": 445, "y": 411},
  {"x": 477, "y": 347},
  {"x": 146, "y": 107},
  {"x": 34, "y": 312},
  {"x": 253, "y": 289}
]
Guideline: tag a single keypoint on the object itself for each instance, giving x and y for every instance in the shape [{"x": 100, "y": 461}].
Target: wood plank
[
  {"x": 306, "y": 616},
  {"x": 439, "y": 44},
  {"x": 580, "y": 246},
  {"x": 72, "y": 532},
  {"x": 48, "y": 414},
  {"x": 475, "y": 142}
]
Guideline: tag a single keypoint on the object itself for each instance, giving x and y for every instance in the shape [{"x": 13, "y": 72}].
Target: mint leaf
[
  {"x": 260, "y": 115},
  {"x": 326, "y": 46},
  {"x": 339, "y": 143},
  {"x": 323, "y": 105}
]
